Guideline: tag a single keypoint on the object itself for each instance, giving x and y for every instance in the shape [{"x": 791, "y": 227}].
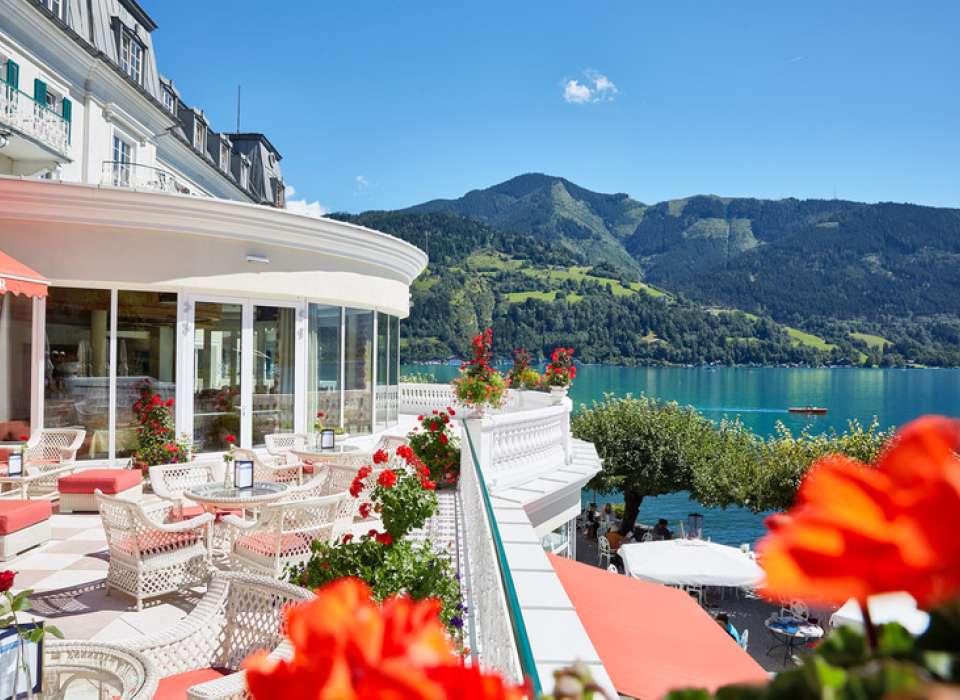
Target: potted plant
[
  {"x": 522, "y": 376},
  {"x": 480, "y": 385},
  {"x": 157, "y": 442},
  {"x": 11, "y": 604},
  {"x": 437, "y": 446},
  {"x": 560, "y": 373}
]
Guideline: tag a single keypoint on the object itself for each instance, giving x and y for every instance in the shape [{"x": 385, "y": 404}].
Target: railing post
[{"x": 567, "y": 436}]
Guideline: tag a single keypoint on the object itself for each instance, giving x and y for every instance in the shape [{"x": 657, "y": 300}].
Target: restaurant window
[
  {"x": 393, "y": 379},
  {"x": 216, "y": 369},
  {"x": 16, "y": 328},
  {"x": 146, "y": 353},
  {"x": 76, "y": 366},
  {"x": 323, "y": 365},
  {"x": 383, "y": 363},
  {"x": 274, "y": 338},
  {"x": 358, "y": 371}
]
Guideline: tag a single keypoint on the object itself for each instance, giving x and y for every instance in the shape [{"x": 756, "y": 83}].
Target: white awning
[{"x": 690, "y": 563}]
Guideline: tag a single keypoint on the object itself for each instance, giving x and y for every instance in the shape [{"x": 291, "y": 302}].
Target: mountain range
[{"x": 704, "y": 279}]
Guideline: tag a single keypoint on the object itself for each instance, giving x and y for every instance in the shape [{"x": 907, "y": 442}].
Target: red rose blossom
[
  {"x": 231, "y": 438},
  {"x": 6, "y": 580}
]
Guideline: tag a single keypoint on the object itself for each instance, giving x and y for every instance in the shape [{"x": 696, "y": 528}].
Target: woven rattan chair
[
  {"x": 280, "y": 446},
  {"x": 170, "y": 481},
  {"x": 391, "y": 442},
  {"x": 149, "y": 554},
  {"x": 50, "y": 453},
  {"x": 282, "y": 535},
  {"x": 238, "y": 615},
  {"x": 269, "y": 472}
]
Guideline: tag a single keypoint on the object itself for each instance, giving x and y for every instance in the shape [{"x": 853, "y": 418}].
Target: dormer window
[
  {"x": 131, "y": 55},
  {"x": 199, "y": 135},
  {"x": 56, "y": 7},
  {"x": 224, "y": 156},
  {"x": 244, "y": 174},
  {"x": 169, "y": 101}
]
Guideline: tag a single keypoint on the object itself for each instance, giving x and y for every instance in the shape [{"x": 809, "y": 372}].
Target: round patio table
[
  {"x": 82, "y": 670},
  {"x": 216, "y": 496},
  {"x": 344, "y": 455},
  {"x": 791, "y": 633}
]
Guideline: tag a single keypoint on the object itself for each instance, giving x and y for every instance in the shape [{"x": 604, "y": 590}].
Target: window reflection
[
  {"x": 146, "y": 350},
  {"x": 323, "y": 365},
  {"x": 16, "y": 327},
  {"x": 383, "y": 362},
  {"x": 274, "y": 338},
  {"x": 216, "y": 368},
  {"x": 76, "y": 365},
  {"x": 358, "y": 371},
  {"x": 393, "y": 379}
]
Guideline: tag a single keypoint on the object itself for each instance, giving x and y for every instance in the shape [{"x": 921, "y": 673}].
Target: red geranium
[
  {"x": 356, "y": 486},
  {"x": 365, "y": 471},
  {"x": 24, "y": 438},
  {"x": 380, "y": 457},
  {"x": 384, "y": 538},
  {"x": 231, "y": 438},
  {"x": 365, "y": 510},
  {"x": 346, "y": 538},
  {"x": 156, "y": 400},
  {"x": 387, "y": 478}
]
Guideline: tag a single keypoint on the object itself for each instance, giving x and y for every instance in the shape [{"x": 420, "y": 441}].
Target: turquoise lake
[{"x": 760, "y": 397}]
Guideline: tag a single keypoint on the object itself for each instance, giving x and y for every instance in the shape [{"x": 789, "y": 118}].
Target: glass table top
[{"x": 258, "y": 490}]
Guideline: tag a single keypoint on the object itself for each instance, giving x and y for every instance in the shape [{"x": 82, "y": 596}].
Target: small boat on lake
[{"x": 815, "y": 410}]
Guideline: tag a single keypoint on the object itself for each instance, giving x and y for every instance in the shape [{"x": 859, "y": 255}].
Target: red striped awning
[{"x": 17, "y": 278}]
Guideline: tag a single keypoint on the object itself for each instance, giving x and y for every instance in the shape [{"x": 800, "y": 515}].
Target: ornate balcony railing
[
  {"x": 420, "y": 398},
  {"x": 20, "y": 111},
  {"x": 144, "y": 177}
]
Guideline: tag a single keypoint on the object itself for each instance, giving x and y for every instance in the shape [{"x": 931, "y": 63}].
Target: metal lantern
[{"x": 327, "y": 439}]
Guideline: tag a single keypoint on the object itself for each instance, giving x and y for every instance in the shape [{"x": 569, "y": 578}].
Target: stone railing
[
  {"x": 492, "y": 640},
  {"x": 144, "y": 177},
  {"x": 20, "y": 111},
  {"x": 423, "y": 398}
]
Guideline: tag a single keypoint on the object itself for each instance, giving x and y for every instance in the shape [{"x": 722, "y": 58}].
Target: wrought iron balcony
[
  {"x": 144, "y": 177},
  {"x": 25, "y": 116}
]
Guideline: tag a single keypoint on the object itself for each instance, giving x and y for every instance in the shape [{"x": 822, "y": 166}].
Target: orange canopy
[
  {"x": 650, "y": 638},
  {"x": 17, "y": 278}
]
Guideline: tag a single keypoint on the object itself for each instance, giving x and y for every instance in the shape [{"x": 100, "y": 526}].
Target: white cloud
[
  {"x": 596, "y": 87},
  {"x": 361, "y": 181},
  {"x": 302, "y": 206}
]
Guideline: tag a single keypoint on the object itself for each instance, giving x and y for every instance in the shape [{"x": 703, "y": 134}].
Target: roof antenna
[{"x": 238, "y": 108}]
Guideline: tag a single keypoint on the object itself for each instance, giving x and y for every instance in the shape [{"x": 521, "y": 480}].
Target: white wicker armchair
[
  {"x": 150, "y": 556},
  {"x": 281, "y": 445},
  {"x": 170, "y": 481},
  {"x": 238, "y": 615},
  {"x": 268, "y": 472},
  {"x": 50, "y": 453},
  {"x": 282, "y": 535}
]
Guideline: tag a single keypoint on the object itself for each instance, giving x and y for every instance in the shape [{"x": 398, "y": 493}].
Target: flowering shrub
[
  {"x": 479, "y": 384},
  {"x": 437, "y": 446},
  {"x": 157, "y": 442},
  {"x": 560, "y": 371},
  {"x": 855, "y": 531},
  {"x": 403, "y": 495},
  {"x": 345, "y": 645},
  {"x": 521, "y": 363}
]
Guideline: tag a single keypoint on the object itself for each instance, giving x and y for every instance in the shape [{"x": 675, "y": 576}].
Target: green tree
[{"x": 648, "y": 448}]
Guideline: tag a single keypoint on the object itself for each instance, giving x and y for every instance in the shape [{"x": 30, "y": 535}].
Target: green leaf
[
  {"x": 894, "y": 640},
  {"x": 943, "y": 634},
  {"x": 55, "y": 631}
]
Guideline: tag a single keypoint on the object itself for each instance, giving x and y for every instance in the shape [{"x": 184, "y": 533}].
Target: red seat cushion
[
  {"x": 107, "y": 480},
  {"x": 308, "y": 468},
  {"x": 193, "y": 511},
  {"x": 157, "y": 541},
  {"x": 17, "y": 514},
  {"x": 265, "y": 543},
  {"x": 176, "y": 687}
]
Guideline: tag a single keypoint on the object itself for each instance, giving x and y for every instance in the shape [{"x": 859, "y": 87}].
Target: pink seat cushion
[
  {"x": 107, "y": 480},
  {"x": 156, "y": 541},
  {"x": 193, "y": 511},
  {"x": 176, "y": 687},
  {"x": 17, "y": 514},
  {"x": 265, "y": 543}
]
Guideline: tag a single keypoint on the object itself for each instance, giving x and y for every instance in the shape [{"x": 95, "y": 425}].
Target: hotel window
[
  {"x": 358, "y": 371},
  {"x": 146, "y": 352},
  {"x": 122, "y": 161},
  {"x": 244, "y": 174},
  {"x": 131, "y": 55},
  {"x": 168, "y": 100},
  {"x": 383, "y": 364},
  {"x": 199, "y": 135},
  {"x": 56, "y": 7},
  {"x": 323, "y": 365},
  {"x": 224, "y": 155},
  {"x": 77, "y": 366}
]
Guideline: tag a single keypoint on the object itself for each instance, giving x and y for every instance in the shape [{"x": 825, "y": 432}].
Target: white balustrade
[
  {"x": 21, "y": 112},
  {"x": 423, "y": 398},
  {"x": 144, "y": 177},
  {"x": 492, "y": 640}
]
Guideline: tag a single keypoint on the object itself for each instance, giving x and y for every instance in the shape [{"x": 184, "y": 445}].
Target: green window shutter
[
  {"x": 68, "y": 115},
  {"x": 40, "y": 91},
  {"x": 13, "y": 74}
]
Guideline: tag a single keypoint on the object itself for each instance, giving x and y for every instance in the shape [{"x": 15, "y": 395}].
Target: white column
[
  {"x": 112, "y": 378},
  {"x": 300, "y": 370},
  {"x": 184, "y": 392},
  {"x": 38, "y": 362},
  {"x": 246, "y": 376}
]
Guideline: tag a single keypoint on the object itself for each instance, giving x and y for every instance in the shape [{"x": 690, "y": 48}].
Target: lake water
[{"x": 760, "y": 397}]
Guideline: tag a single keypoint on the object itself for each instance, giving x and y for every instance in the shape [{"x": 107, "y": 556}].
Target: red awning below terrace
[
  {"x": 17, "y": 278},
  {"x": 651, "y": 638}
]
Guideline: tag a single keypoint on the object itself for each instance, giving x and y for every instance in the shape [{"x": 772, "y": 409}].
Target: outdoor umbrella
[
  {"x": 887, "y": 607},
  {"x": 690, "y": 563}
]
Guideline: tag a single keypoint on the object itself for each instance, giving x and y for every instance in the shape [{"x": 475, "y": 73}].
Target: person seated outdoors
[
  {"x": 593, "y": 522},
  {"x": 661, "y": 531},
  {"x": 724, "y": 621},
  {"x": 615, "y": 539}
]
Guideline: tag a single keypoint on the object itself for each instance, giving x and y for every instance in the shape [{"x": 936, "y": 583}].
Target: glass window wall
[
  {"x": 383, "y": 369},
  {"x": 393, "y": 413},
  {"x": 16, "y": 343},
  {"x": 323, "y": 365},
  {"x": 146, "y": 351},
  {"x": 76, "y": 366},
  {"x": 274, "y": 339},
  {"x": 358, "y": 371},
  {"x": 216, "y": 370}
]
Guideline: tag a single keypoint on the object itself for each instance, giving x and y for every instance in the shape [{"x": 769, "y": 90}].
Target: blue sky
[{"x": 385, "y": 105}]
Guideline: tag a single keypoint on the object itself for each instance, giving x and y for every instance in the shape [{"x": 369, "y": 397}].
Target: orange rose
[
  {"x": 346, "y": 647},
  {"x": 855, "y": 531}
]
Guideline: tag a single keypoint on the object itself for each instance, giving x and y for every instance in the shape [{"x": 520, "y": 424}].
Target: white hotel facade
[{"x": 170, "y": 257}]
